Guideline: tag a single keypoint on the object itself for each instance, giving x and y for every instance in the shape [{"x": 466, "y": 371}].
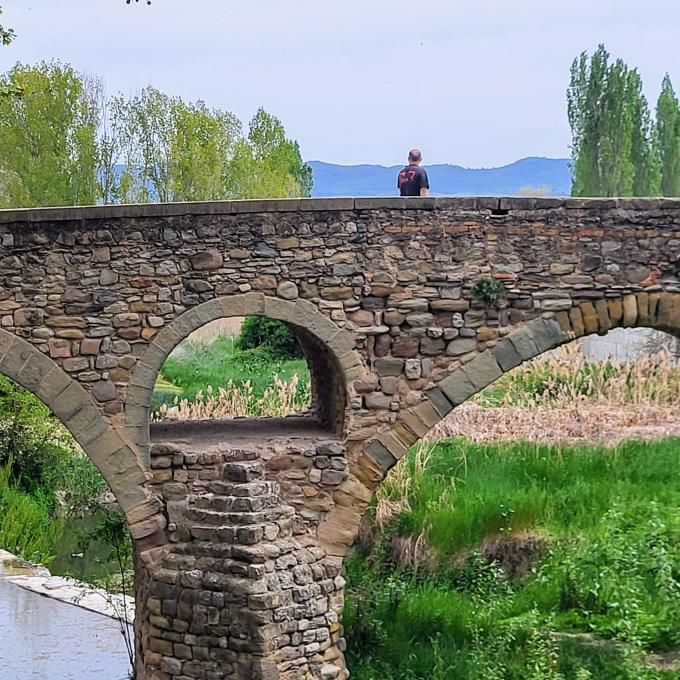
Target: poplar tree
[
  {"x": 667, "y": 138},
  {"x": 611, "y": 128},
  {"x": 616, "y": 134},
  {"x": 48, "y": 127},
  {"x": 647, "y": 175},
  {"x": 584, "y": 103}
]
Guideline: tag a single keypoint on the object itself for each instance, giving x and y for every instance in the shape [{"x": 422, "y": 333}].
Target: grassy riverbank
[{"x": 516, "y": 560}]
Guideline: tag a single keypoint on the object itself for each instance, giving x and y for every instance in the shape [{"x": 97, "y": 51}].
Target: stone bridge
[{"x": 404, "y": 308}]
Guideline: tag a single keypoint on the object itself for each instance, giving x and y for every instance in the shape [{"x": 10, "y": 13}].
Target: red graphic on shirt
[{"x": 406, "y": 176}]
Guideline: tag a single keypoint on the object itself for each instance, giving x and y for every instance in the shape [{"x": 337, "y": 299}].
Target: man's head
[{"x": 415, "y": 157}]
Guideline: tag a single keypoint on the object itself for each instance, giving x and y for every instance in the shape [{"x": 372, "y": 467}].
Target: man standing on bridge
[{"x": 413, "y": 179}]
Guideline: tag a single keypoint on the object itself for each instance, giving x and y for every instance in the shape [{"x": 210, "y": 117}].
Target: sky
[{"x": 478, "y": 83}]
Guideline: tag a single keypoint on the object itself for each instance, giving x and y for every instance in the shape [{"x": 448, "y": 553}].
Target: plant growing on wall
[{"x": 488, "y": 291}]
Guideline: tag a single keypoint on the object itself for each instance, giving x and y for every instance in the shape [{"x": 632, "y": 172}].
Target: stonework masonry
[{"x": 240, "y": 529}]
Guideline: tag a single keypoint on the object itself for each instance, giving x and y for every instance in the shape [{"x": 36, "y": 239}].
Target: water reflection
[{"x": 41, "y": 638}]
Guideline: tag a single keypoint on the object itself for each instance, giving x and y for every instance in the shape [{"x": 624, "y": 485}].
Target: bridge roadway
[{"x": 404, "y": 308}]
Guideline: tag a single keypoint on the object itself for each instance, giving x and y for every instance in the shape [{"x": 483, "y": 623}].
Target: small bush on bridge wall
[{"x": 489, "y": 291}]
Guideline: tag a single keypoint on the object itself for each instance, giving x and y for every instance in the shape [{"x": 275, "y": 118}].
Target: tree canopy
[
  {"x": 65, "y": 143},
  {"x": 611, "y": 130},
  {"x": 618, "y": 149},
  {"x": 48, "y": 126}
]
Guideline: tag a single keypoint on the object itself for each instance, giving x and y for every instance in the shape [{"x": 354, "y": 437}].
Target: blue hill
[{"x": 508, "y": 180}]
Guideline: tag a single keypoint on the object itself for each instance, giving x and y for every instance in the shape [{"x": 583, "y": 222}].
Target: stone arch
[
  {"x": 73, "y": 406},
  {"x": 329, "y": 350},
  {"x": 658, "y": 310}
]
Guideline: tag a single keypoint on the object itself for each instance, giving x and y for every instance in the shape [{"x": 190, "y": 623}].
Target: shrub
[
  {"x": 259, "y": 331},
  {"x": 46, "y": 460},
  {"x": 489, "y": 291},
  {"x": 26, "y": 528}
]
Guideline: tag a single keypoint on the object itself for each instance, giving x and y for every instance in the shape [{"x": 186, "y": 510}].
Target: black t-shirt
[{"x": 411, "y": 180}]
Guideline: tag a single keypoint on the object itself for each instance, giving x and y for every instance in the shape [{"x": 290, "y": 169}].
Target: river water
[{"x": 44, "y": 639}]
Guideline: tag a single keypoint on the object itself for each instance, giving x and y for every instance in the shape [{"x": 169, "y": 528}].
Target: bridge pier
[{"x": 242, "y": 590}]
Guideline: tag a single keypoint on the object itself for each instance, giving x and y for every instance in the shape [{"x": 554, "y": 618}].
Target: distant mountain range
[{"x": 508, "y": 180}]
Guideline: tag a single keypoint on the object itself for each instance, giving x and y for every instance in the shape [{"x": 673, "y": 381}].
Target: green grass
[
  {"x": 472, "y": 491},
  {"x": 218, "y": 362},
  {"x": 609, "y": 522},
  {"x": 26, "y": 528}
]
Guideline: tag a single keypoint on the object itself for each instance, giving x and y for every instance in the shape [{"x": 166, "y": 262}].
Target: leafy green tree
[
  {"x": 201, "y": 145},
  {"x": 64, "y": 143},
  {"x": 609, "y": 116},
  {"x": 644, "y": 157},
  {"x": 268, "y": 165},
  {"x": 667, "y": 138},
  {"x": 176, "y": 151},
  {"x": 48, "y": 128},
  {"x": 260, "y": 331},
  {"x": 584, "y": 105},
  {"x": 615, "y": 143},
  {"x": 145, "y": 133},
  {"x": 6, "y": 34}
]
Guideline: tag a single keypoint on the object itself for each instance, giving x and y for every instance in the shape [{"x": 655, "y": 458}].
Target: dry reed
[
  {"x": 283, "y": 398},
  {"x": 565, "y": 398}
]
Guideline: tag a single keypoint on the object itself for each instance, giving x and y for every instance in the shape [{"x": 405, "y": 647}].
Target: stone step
[
  {"x": 245, "y": 490},
  {"x": 237, "y": 503},
  {"x": 250, "y": 534},
  {"x": 213, "y": 518},
  {"x": 248, "y": 471}
]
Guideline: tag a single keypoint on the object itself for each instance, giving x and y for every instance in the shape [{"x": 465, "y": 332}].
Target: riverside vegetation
[
  {"x": 514, "y": 556},
  {"x": 509, "y": 557}
]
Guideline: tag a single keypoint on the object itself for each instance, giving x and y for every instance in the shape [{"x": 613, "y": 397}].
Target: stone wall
[{"x": 384, "y": 295}]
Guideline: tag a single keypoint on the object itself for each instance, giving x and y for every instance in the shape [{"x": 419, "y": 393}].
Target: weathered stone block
[
  {"x": 576, "y": 320},
  {"x": 377, "y": 400},
  {"x": 457, "y": 387},
  {"x": 461, "y": 346},
  {"x": 439, "y": 401},
  {"x": 603, "y": 321},
  {"x": 615, "y": 312},
  {"x": 287, "y": 290},
  {"x": 506, "y": 355},
  {"x": 590, "y": 319},
  {"x": 524, "y": 343},
  {"x": 483, "y": 370},
  {"x": 630, "y": 311},
  {"x": 389, "y": 366},
  {"x": 207, "y": 260},
  {"x": 379, "y": 453},
  {"x": 405, "y": 346}
]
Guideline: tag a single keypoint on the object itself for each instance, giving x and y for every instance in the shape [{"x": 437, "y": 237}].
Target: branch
[{"x": 6, "y": 34}]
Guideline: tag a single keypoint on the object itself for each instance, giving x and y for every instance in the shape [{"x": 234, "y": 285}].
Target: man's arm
[{"x": 424, "y": 183}]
